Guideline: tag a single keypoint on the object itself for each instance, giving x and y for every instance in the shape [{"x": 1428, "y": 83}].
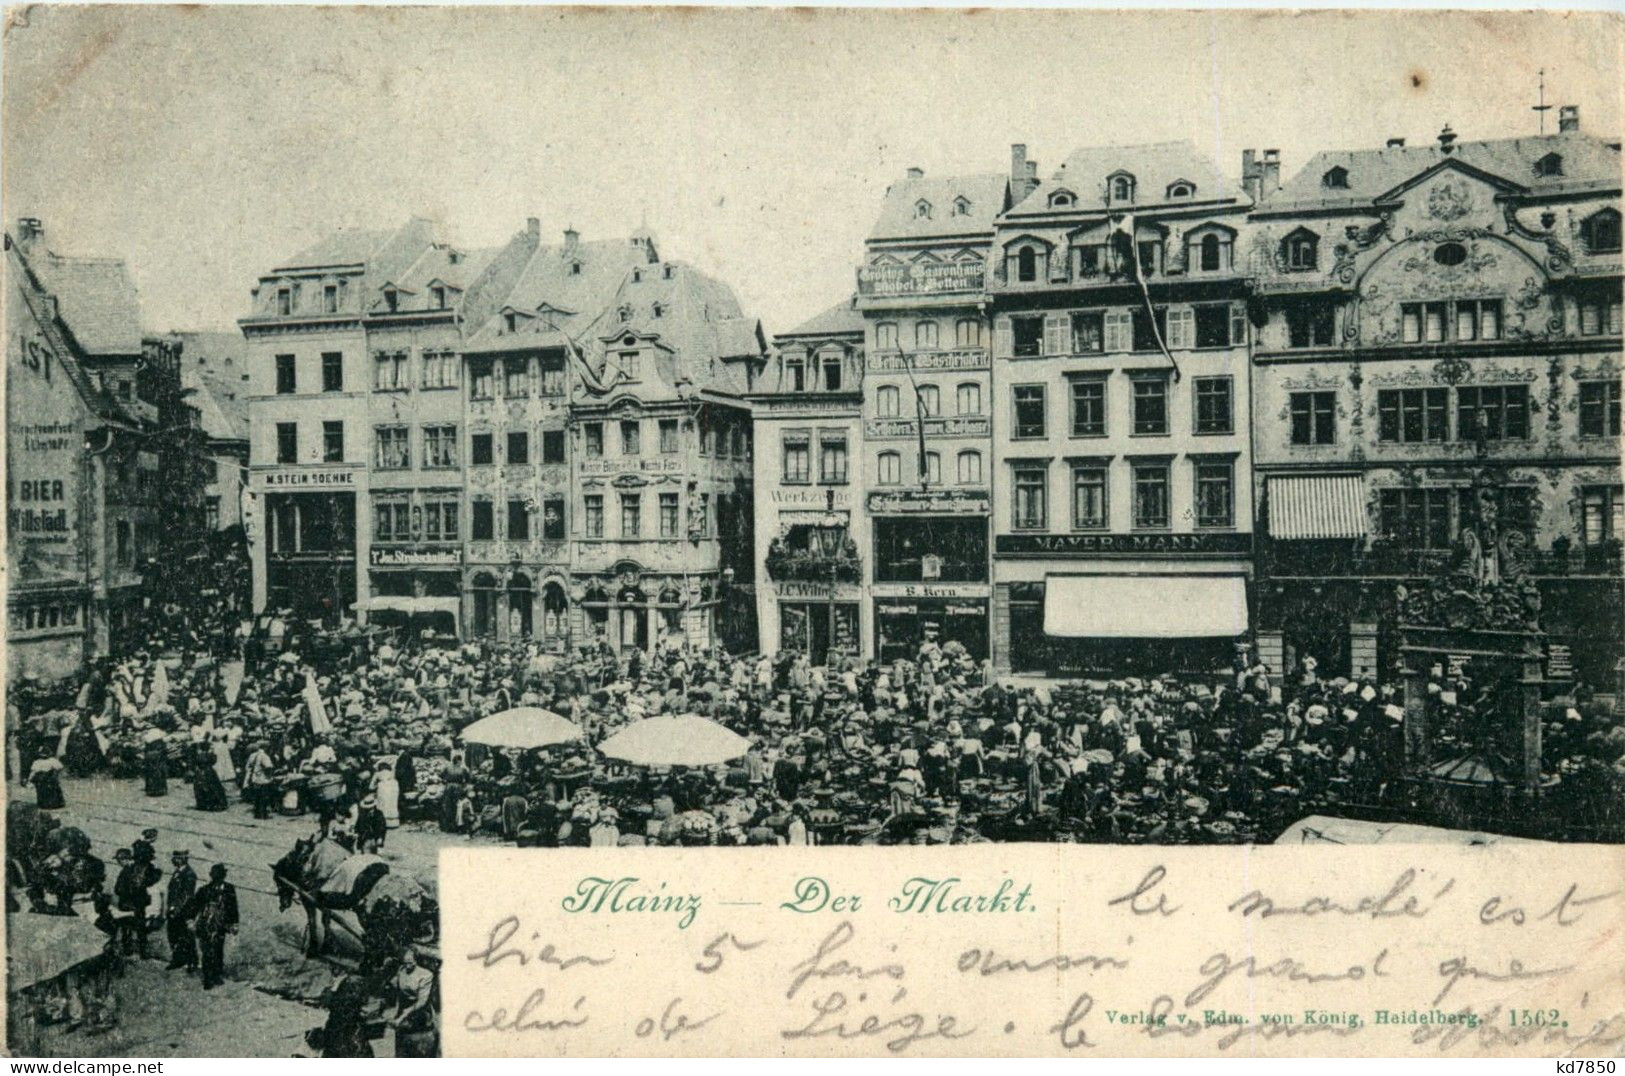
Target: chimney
[
  {"x": 1568, "y": 118},
  {"x": 1018, "y": 164},
  {"x": 1447, "y": 139},
  {"x": 533, "y": 229},
  {"x": 916, "y": 173},
  {"x": 1251, "y": 174},
  {"x": 29, "y": 232},
  {"x": 1396, "y": 143},
  {"x": 1269, "y": 174},
  {"x": 571, "y": 238}
]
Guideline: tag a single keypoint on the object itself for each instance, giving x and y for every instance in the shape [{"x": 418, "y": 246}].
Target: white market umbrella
[
  {"x": 523, "y": 727},
  {"x": 689, "y": 740}
]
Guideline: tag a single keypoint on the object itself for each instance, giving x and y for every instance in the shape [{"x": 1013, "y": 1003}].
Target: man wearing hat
[
  {"x": 182, "y": 887},
  {"x": 215, "y": 909}
]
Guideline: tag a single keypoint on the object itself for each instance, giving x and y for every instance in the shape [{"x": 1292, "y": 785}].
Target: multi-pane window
[
  {"x": 1150, "y": 405},
  {"x": 1301, "y": 251},
  {"x": 1309, "y": 324},
  {"x": 970, "y": 467},
  {"x": 482, "y": 521},
  {"x": 797, "y": 458},
  {"x": 1494, "y": 412},
  {"x": 552, "y": 375},
  {"x": 886, "y": 336},
  {"x": 832, "y": 459},
  {"x": 393, "y": 453},
  {"x": 389, "y": 370},
  {"x": 481, "y": 381},
  {"x": 925, "y": 335},
  {"x": 391, "y": 521},
  {"x": 833, "y": 365},
  {"x": 631, "y": 515},
  {"x": 593, "y": 515},
  {"x": 1424, "y": 323},
  {"x": 1213, "y": 410},
  {"x": 968, "y": 398},
  {"x": 480, "y": 449},
  {"x": 668, "y": 436},
  {"x": 887, "y": 400},
  {"x": 1149, "y": 330},
  {"x": 1088, "y": 332},
  {"x": 593, "y": 436},
  {"x": 1089, "y": 487},
  {"x": 552, "y": 446},
  {"x": 890, "y": 469},
  {"x": 1412, "y": 415},
  {"x": 439, "y": 369},
  {"x": 1478, "y": 319},
  {"x": 287, "y": 442},
  {"x": 553, "y": 518},
  {"x": 1313, "y": 417},
  {"x": 516, "y": 372},
  {"x": 1599, "y": 409},
  {"x": 1418, "y": 517},
  {"x": 440, "y": 520},
  {"x": 1027, "y": 337},
  {"x": 1089, "y": 407},
  {"x": 1599, "y": 314},
  {"x": 518, "y": 520},
  {"x": 440, "y": 446},
  {"x": 1030, "y": 510},
  {"x": 1029, "y": 410},
  {"x": 1215, "y": 493},
  {"x": 1150, "y": 494},
  {"x": 933, "y": 468},
  {"x": 629, "y": 364},
  {"x": 668, "y": 515},
  {"x": 333, "y": 442},
  {"x": 518, "y": 446},
  {"x": 930, "y": 401},
  {"x": 1602, "y": 514},
  {"x": 285, "y": 380},
  {"x": 967, "y": 333},
  {"x": 1219, "y": 325},
  {"x": 332, "y": 371}
]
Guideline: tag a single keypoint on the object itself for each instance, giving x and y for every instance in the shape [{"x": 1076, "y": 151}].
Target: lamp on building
[{"x": 830, "y": 530}]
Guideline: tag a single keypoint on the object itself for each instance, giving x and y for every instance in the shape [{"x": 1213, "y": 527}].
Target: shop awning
[
  {"x": 1144, "y": 606},
  {"x": 381, "y": 602},
  {"x": 1317, "y": 506}
]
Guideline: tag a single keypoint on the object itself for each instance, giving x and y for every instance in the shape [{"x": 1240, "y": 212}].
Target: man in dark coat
[
  {"x": 182, "y": 887},
  {"x": 214, "y": 907},
  {"x": 131, "y": 896}
]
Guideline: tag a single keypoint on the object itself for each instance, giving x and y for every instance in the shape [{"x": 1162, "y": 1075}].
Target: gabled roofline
[{"x": 1454, "y": 163}]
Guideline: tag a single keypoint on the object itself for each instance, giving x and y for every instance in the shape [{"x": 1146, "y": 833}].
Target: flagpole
[{"x": 1145, "y": 295}]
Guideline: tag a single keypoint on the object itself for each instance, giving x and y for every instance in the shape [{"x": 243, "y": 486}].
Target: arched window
[
  {"x": 968, "y": 397},
  {"x": 1210, "y": 253},
  {"x": 1301, "y": 251},
  {"x": 1600, "y": 231},
  {"x": 886, "y": 401},
  {"x": 1062, "y": 199},
  {"x": 1549, "y": 165},
  {"x": 961, "y": 206},
  {"x": 967, "y": 333},
  {"x": 1182, "y": 189},
  {"x": 933, "y": 468},
  {"x": 1336, "y": 178},
  {"x": 1026, "y": 264},
  {"x": 922, "y": 210},
  {"x": 930, "y": 398},
  {"x": 925, "y": 335},
  {"x": 970, "y": 467},
  {"x": 1122, "y": 187},
  {"x": 891, "y": 469},
  {"x": 886, "y": 336}
]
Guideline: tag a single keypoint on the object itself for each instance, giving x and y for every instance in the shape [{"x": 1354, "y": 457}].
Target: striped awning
[{"x": 1317, "y": 506}]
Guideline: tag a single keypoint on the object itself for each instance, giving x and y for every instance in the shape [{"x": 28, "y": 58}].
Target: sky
[{"x": 204, "y": 145}]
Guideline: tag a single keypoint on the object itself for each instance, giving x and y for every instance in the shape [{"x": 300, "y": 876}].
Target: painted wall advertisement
[{"x": 44, "y": 451}]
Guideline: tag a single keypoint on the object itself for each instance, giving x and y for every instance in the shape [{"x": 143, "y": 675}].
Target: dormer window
[
  {"x": 1600, "y": 232},
  {"x": 961, "y": 206},
  {"x": 659, "y": 310},
  {"x": 438, "y": 295},
  {"x": 625, "y": 312},
  {"x": 1336, "y": 178},
  {"x": 1122, "y": 187},
  {"x": 1549, "y": 165},
  {"x": 1301, "y": 251},
  {"x": 392, "y": 299},
  {"x": 575, "y": 268},
  {"x": 637, "y": 276},
  {"x": 510, "y": 320},
  {"x": 1181, "y": 188},
  {"x": 330, "y": 299},
  {"x": 1208, "y": 250},
  {"x": 284, "y": 302},
  {"x": 1062, "y": 200},
  {"x": 668, "y": 271},
  {"x": 922, "y": 210},
  {"x": 1026, "y": 264}
]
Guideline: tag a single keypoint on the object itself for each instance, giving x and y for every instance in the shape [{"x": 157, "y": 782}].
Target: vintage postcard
[{"x": 678, "y": 532}]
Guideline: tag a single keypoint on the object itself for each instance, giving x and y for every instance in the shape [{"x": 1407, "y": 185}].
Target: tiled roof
[
  {"x": 1588, "y": 163},
  {"x": 348, "y": 246},
  {"x": 1155, "y": 166},
  {"x": 985, "y": 195},
  {"x": 443, "y": 263},
  {"x": 213, "y": 364},
  {"x": 700, "y": 320},
  {"x": 842, "y": 319},
  {"x": 96, "y": 299},
  {"x": 573, "y": 296}
]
